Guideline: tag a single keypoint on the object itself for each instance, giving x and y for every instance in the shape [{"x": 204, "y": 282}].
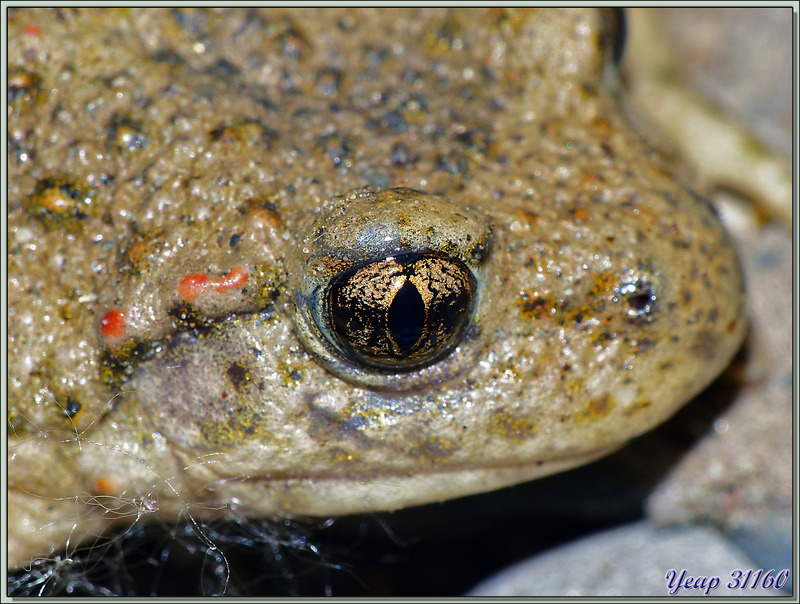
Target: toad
[{"x": 320, "y": 262}]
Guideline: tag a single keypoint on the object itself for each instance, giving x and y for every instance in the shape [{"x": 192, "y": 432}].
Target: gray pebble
[{"x": 633, "y": 560}]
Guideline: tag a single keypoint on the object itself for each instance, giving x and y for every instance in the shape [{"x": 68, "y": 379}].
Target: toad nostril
[{"x": 640, "y": 302}]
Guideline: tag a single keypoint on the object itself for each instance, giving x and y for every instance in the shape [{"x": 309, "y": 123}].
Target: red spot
[
  {"x": 191, "y": 286},
  {"x": 105, "y": 485},
  {"x": 237, "y": 277},
  {"x": 194, "y": 284},
  {"x": 33, "y": 30},
  {"x": 113, "y": 324}
]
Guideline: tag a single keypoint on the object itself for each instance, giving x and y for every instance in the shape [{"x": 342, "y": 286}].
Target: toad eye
[
  {"x": 403, "y": 311},
  {"x": 392, "y": 288}
]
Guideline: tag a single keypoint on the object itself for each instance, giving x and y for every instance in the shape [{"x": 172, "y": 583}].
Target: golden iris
[{"x": 402, "y": 311}]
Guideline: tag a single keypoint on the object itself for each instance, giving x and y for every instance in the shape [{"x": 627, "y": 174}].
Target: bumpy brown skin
[{"x": 163, "y": 167}]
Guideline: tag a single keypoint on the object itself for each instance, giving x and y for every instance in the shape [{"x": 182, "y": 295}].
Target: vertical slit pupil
[{"x": 406, "y": 316}]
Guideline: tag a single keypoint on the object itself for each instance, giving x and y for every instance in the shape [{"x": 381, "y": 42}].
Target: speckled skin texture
[{"x": 160, "y": 190}]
